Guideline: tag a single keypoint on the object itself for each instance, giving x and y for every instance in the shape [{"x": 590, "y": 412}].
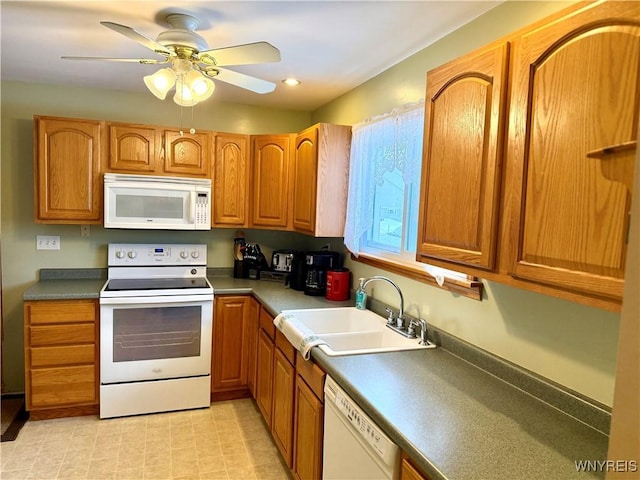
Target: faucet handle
[
  {"x": 411, "y": 328},
  {"x": 391, "y": 320}
]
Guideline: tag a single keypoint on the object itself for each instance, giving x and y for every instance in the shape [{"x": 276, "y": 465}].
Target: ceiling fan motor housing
[{"x": 182, "y": 33}]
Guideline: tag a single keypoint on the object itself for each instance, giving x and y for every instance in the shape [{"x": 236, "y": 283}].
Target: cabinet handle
[
  {"x": 611, "y": 149},
  {"x": 617, "y": 162}
]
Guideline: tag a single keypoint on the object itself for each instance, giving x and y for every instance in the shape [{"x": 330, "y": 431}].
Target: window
[{"x": 384, "y": 192}]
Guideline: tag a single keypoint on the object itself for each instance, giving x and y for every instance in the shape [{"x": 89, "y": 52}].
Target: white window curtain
[{"x": 378, "y": 145}]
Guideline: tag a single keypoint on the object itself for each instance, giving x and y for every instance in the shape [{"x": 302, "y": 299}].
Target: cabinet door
[
  {"x": 464, "y": 117},
  {"x": 230, "y": 345},
  {"x": 305, "y": 167},
  {"x": 320, "y": 179},
  {"x": 282, "y": 416},
  {"x": 264, "y": 376},
  {"x": 132, "y": 148},
  {"x": 409, "y": 472},
  {"x": 252, "y": 345},
  {"x": 187, "y": 153},
  {"x": 68, "y": 186},
  {"x": 271, "y": 183},
  {"x": 308, "y": 421},
  {"x": 572, "y": 137},
  {"x": 231, "y": 181}
]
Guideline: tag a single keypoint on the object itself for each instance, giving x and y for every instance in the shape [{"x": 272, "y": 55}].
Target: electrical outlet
[
  {"x": 85, "y": 230},
  {"x": 47, "y": 242}
]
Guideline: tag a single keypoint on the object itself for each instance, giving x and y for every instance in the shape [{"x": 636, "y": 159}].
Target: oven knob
[
  {"x": 119, "y": 254},
  {"x": 132, "y": 254},
  {"x": 184, "y": 254},
  {"x": 193, "y": 271},
  {"x": 195, "y": 254}
]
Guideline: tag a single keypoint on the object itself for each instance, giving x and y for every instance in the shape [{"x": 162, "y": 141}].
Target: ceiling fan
[{"x": 193, "y": 64}]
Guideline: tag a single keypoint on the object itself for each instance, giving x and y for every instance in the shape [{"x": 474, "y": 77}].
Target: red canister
[{"x": 338, "y": 284}]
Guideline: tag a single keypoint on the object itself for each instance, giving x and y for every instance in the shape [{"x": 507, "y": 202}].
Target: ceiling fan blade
[
  {"x": 137, "y": 37},
  {"x": 145, "y": 61},
  {"x": 259, "y": 52},
  {"x": 248, "y": 82}
]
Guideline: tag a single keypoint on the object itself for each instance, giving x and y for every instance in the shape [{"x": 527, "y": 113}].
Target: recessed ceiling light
[{"x": 291, "y": 81}]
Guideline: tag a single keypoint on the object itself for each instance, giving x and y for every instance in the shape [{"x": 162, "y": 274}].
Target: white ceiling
[{"x": 331, "y": 46}]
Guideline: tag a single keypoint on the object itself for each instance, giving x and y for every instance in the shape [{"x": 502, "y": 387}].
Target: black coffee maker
[
  {"x": 297, "y": 277},
  {"x": 317, "y": 264}
]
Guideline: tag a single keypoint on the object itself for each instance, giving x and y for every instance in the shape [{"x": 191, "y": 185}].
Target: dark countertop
[{"x": 455, "y": 420}]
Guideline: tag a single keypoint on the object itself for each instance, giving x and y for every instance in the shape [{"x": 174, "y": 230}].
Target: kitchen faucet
[{"x": 391, "y": 320}]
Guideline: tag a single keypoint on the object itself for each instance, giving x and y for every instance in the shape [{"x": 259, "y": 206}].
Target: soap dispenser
[{"x": 361, "y": 296}]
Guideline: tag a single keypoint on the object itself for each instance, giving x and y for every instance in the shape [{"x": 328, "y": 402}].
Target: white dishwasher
[{"x": 354, "y": 447}]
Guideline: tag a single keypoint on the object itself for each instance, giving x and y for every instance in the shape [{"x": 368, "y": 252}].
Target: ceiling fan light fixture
[
  {"x": 292, "y": 82},
  {"x": 160, "y": 82},
  {"x": 184, "y": 95},
  {"x": 200, "y": 86}
]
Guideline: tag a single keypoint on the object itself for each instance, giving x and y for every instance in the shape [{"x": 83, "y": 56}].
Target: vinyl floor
[{"x": 227, "y": 441}]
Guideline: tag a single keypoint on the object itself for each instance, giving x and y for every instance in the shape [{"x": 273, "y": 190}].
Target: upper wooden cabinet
[
  {"x": 571, "y": 150},
  {"x": 271, "y": 183},
  {"x": 187, "y": 153},
  {"x": 464, "y": 117},
  {"x": 68, "y": 157},
  {"x": 148, "y": 149},
  {"x": 320, "y": 180},
  {"x": 134, "y": 148},
  {"x": 231, "y": 181}
]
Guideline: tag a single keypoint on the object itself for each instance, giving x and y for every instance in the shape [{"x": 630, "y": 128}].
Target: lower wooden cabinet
[
  {"x": 252, "y": 335},
  {"x": 230, "y": 359},
  {"x": 264, "y": 375},
  {"x": 308, "y": 420},
  {"x": 284, "y": 376},
  {"x": 409, "y": 472},
  {"x": 61, "y": 357}
]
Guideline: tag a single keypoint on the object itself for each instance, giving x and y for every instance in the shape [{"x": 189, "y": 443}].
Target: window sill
[{"x": 469, "y": 288}]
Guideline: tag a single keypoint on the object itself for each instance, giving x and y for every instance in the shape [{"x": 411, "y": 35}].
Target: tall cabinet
[{"x": 571, "y": 151}]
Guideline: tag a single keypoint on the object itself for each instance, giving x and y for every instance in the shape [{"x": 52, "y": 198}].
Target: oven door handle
[{"x": 147, "y": 300}]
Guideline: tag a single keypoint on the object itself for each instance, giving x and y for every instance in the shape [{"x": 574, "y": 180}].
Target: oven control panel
[{"x": 133, "y": 254}]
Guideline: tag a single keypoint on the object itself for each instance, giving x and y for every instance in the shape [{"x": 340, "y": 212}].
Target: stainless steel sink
[{"x": 349, "y": 331}]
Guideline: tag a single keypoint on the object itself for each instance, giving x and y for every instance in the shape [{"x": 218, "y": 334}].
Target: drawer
[
  {"x": 61, "y": 356},
  {"x": 55, "y": 387},
  {"x": 287, "y": 349},
  {"x": 312, "y": 374},
  {"x": 60, "y": 311},
  {"x": 266, "y": 323},
  {"x": 41, "y": 335}
]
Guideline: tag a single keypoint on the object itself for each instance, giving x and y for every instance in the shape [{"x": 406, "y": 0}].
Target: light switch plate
[{"x": 47, "y": 242}]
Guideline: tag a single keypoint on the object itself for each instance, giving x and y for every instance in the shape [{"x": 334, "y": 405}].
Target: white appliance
[
  {"x": 354, "y": 447},
  {"x": 156, "y": 321},
  {"x": 152, "y": 202}
]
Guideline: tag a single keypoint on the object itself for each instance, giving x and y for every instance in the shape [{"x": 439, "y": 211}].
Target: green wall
[{"x": 568, "y": 343}]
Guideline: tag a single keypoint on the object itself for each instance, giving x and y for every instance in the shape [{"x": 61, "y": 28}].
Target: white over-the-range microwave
[{"x": 153, "y": 202}]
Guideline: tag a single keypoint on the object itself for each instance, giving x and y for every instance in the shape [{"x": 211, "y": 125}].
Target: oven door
[{"x": 154, "y": 338}]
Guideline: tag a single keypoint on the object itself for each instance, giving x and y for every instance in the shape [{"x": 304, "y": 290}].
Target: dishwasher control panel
[{"x": 361, "y": 423}]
